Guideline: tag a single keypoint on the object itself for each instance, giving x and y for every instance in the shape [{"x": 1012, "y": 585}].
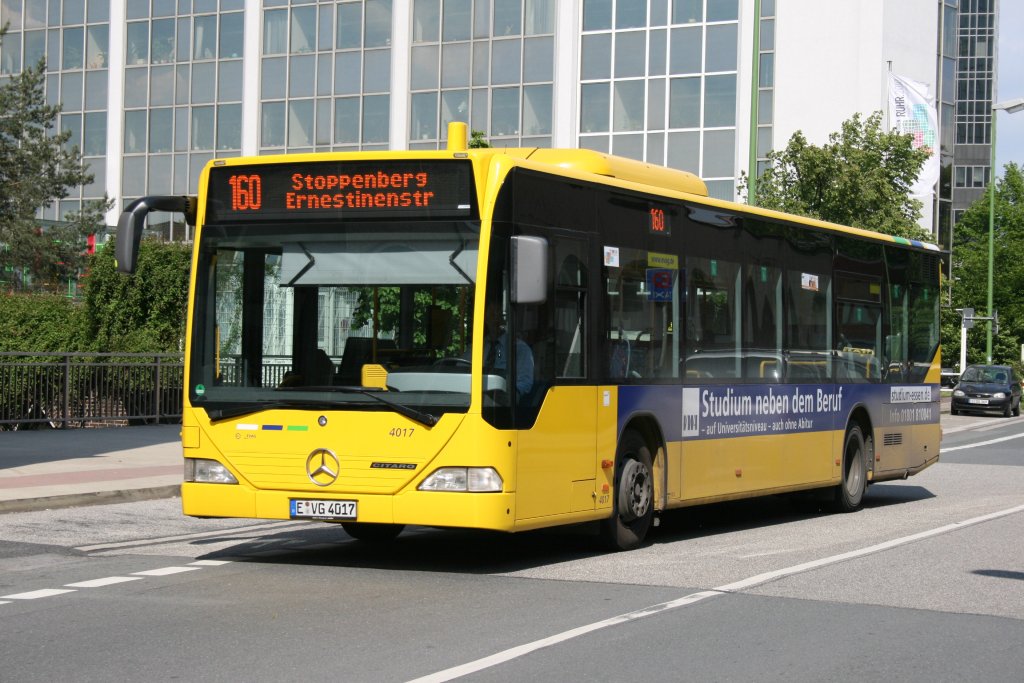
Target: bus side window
[
  {"x": 808, "y": 327},
  {"x": 859, "y": 328},
  {"x": 570, "y": 328},
  {"x": 712, "y": 324}
]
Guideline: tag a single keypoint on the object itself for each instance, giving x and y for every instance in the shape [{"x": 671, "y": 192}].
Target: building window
[
  {"x": 971, "y": 176},
  {"x": 331, "y": 66},
  {"x": 657, "y": 76},
  {"x": 503, "y": 50},
  {"x": 975, "y": 72}
]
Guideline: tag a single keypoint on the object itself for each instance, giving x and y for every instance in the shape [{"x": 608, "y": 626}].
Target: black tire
[
  {"x": 1016, "y": 410},
  {"x": 1008, "y": 410},
  {"x": 849, "y": 495},
  {"x": 954, "y": 411},
  {"x": 372, "y": 533},
  {"x": 633, "y": 502}
]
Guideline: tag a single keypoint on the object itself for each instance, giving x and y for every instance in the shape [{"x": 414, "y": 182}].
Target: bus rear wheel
[
  {"x": 372, "y": 533},
  {"x": 633, "y": 504},
  {"x": 849, "y": 495}
]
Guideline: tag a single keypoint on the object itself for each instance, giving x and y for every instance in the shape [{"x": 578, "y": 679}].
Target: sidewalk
[{"x": 56, "y": 468}]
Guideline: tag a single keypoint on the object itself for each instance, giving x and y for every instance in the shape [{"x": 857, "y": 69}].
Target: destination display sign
[{"x": 435, "y": 188}]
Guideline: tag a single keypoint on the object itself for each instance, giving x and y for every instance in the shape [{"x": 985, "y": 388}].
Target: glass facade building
[
  {"x": 975, "y": 95},
  {"x": 945, "y": 105},
  {"x": 151, "y": 90}
]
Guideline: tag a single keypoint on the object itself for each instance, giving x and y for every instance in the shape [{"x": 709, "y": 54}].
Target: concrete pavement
[{"x": 56, "y": 468}]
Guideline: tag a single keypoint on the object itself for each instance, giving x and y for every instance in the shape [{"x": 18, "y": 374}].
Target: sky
[{"x": 1010, "y": 83}]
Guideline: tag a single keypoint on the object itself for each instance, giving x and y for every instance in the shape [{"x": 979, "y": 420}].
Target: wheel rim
[
  {"x": 854, "y": 466},
  {"x": 635, "y": 490}
]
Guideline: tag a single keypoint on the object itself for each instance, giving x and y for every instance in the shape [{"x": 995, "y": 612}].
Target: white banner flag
[{"x": 912, "y": 110}]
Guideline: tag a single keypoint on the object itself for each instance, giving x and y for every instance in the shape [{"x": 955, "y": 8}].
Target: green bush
[
  {"x": 40, "y": 322},
  {"x": 140, "y": 313}
]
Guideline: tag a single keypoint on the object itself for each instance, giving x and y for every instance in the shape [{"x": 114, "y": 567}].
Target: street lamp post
[{"x": 1010, "y": 107}]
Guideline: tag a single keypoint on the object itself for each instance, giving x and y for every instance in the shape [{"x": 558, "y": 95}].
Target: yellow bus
[{"x": 510, "y": 339}]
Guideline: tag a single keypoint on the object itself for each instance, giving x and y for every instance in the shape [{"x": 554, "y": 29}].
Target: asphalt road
[{"x": 925, "y": 584}]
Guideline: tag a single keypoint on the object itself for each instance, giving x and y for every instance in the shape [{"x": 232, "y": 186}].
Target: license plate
[
  {"x": 978, "y": 401},
  {"x": 323, "y": 509}
]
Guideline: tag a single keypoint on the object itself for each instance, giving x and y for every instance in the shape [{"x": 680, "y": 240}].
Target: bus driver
[{"x": 496, "y": 350}]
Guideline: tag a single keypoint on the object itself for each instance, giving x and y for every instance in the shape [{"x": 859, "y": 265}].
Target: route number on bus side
[{"x": 658, "y": 225}]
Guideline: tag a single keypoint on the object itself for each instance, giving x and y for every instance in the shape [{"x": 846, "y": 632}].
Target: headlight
[
  {"x": 959, "y": 393},
  {"x": 207, "y": 472},
  {"x": 471, "y": 479},
  {"x": 999, "y": 394}
]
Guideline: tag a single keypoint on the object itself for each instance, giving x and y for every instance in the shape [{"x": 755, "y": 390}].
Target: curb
[{"x": 93, "y": 498}]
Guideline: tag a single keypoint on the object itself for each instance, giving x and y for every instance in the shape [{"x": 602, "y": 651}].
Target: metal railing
[
  {"x": 63, "y": 390},
  {"x": 272, "y": 370}
]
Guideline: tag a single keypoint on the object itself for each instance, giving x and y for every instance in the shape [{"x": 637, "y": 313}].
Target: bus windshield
[{"x": 289, "y": 316}]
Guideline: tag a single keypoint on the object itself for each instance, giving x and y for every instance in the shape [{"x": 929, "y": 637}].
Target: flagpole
[
  {"x": 888, "y": 98},
  {"x": 755, "y": 78}
]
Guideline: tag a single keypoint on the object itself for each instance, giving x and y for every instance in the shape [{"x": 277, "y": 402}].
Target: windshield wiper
[{"x": 419, "y": 416}]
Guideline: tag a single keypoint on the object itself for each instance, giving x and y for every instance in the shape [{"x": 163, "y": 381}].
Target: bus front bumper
[{"x": 495, "y": 511}]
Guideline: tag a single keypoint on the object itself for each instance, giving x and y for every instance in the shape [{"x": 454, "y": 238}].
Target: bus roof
[{"x": 685, "y": 185}]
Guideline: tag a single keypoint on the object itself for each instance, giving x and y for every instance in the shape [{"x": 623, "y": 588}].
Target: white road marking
[
  {"x": 744, "y": 584},
  {"x": 237, "y": 531},
  {"x": 108, "y": 581},
  {"x": 981, "y": 443},
  {"x": 34, "y": 595},
  {"x": 998, "y": 423},
  {"x": 519, "y": 651},
  {"x": 99, "y": 583},
  {"x": 165, "y": 571},
  {"x": 767, "y": 577}
]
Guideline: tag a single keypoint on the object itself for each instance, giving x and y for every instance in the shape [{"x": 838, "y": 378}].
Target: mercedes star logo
[{"x": 322, "y": 467}]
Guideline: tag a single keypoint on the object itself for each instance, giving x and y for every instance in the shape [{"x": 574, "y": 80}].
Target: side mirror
[
  {"x": 133, "y": 219},
  {"x": 529, "y": 270}
]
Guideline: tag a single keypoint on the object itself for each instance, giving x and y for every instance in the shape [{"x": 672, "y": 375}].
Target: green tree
[
  {"x": 861, "y": 177},
  {"x": 61, "y": 256},
  {"x": 478, "y": 140},
  {"x": 144, "y": 312},
  {"x": 37, "y": 167},
  {"x": 970, "y": 273}
]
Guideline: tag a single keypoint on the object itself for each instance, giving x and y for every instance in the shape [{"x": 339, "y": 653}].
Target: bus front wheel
[
  {"x": 633, "y": 504},
  {"x": 849, "y": 495}
]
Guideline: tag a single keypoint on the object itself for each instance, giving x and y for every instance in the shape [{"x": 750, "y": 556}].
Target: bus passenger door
[{"x": 558, "y": 421}]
